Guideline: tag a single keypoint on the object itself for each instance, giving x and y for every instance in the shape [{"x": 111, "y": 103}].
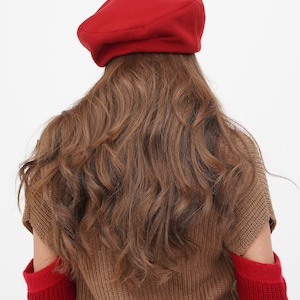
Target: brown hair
[{"x": 133, "y": 164}]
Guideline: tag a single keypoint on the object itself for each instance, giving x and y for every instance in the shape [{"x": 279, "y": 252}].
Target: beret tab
[{"x": 126, "y": 26}]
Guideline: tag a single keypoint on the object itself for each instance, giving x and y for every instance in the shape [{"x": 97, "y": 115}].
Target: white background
[{"x": 250, "y": 54}]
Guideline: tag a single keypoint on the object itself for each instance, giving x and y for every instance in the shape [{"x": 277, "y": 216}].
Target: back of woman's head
[{"x": 133, "y": 163}]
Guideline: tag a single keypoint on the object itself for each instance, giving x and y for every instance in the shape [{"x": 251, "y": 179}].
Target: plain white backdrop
[{"x": 250, "y": 55}]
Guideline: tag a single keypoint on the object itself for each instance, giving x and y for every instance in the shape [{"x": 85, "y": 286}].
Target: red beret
[{"x": 128, "y": 26}]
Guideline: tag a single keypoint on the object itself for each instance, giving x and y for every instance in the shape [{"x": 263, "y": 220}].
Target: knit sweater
[
  {"x": 209, "y": 274},
  {"x": 255, "y": 281}
]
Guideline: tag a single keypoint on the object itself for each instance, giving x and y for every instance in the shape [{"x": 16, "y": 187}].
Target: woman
[{"x": 145, "y": 189}]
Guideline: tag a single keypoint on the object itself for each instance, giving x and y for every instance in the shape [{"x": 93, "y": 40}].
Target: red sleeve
[
  {"x": 48, "y": 284},
  {"x": 258, "y": 281}
]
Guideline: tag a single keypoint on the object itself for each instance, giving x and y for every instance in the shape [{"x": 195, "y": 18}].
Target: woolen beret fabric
[{"x": 122, "y": 27}]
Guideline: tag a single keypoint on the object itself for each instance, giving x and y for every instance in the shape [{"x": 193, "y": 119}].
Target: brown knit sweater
[{"x": 208, "y": 275}]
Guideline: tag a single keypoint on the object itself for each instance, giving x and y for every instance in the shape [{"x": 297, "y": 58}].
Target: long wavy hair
[{"x": 134, "y": 164}]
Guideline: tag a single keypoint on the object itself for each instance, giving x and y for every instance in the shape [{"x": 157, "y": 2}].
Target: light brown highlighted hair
[{"x": 135, "y": 163}]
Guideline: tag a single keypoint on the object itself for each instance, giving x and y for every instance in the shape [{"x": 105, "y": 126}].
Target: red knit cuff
[
  {"x": 258, "y": 281},
  {"x": 268, "y": 273},
  {"x": 43, "y": 279}
]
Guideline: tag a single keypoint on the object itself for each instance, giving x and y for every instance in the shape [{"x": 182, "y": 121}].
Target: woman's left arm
[
  {"x": 43, "y": 281},
  {"x": 42, "y": 254}
]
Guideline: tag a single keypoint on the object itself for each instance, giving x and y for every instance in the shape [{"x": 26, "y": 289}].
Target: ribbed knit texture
[
  {"x": 257, "y": 281},
  {"x": 47, "y": 284},
  {"x": 208, "y": 275}
]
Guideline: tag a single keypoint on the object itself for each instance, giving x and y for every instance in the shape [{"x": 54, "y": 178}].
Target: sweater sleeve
[
  {"x": 254, "y": 207},
  {"x": 258, "y": 281},
  {"x": 48, "y": 284}
]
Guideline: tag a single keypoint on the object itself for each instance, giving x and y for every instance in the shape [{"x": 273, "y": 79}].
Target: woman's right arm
[{"x": 258, "y": 271}]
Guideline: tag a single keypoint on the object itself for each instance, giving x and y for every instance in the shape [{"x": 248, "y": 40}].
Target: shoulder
[{"x": 238, "y": 147}]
